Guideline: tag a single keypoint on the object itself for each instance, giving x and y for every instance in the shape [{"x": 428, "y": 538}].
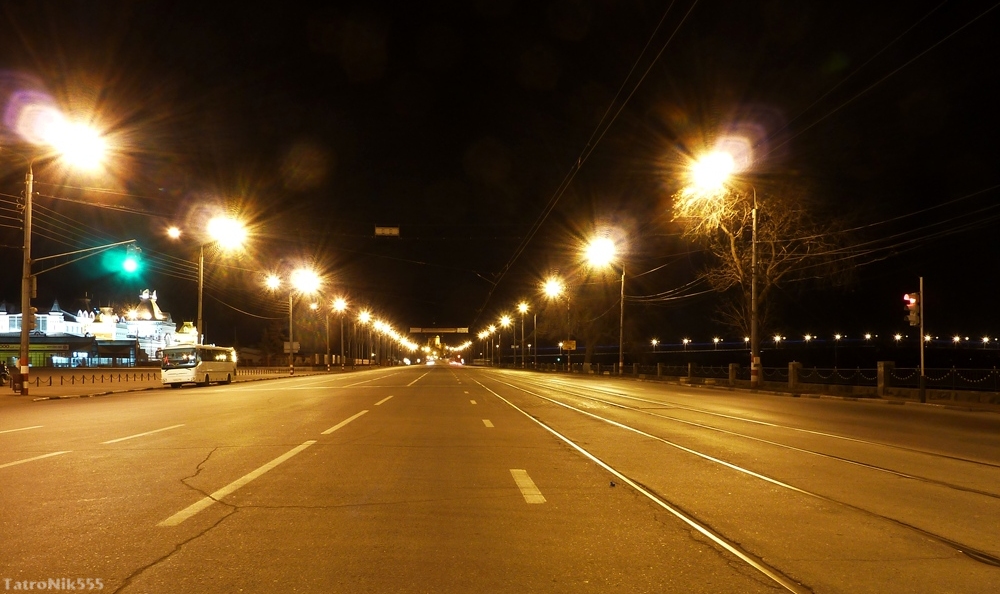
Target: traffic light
[
  {"x": 131, "y": 262},
  {"x": 912, "y": 309},
  {"x": 29, "y": 318}
]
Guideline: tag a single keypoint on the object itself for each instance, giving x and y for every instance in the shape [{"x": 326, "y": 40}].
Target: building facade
[{"x": 96, "y": 337}]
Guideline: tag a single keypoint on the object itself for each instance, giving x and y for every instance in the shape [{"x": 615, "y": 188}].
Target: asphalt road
[{"x": 451, "y": 479}]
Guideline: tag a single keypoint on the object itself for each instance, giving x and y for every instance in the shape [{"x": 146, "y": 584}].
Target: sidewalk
[{"x": 54, "y": 384}]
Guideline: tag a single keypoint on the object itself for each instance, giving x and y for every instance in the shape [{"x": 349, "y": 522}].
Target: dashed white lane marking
[
  {"x": 342, "y": 423},
  {"x": 527, "y": 486},
  {"x": 141, "y": 434},
  {"x": 33, "y": 427},
  {"x": 203, "y": 503},
  {"x": 417, "y": 380},
  {"x": 487, "y": 422},
  {"x": 472, "y": 401},
  {"x": 31, "y": 459},
  {"x": 386, "y": 399},
  {"x": 465, "y": 391}
]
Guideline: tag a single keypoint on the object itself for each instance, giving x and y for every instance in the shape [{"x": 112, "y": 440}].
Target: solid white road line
[
  {"x": 472, "y": 401},
  {"x": 417, "y": 380},
  {"x": 383, "y": 400},
  {"x": 203, "y": 503},
  {"x": 342, "y": 423},
  {"x": 141, "y": 434},
  {"x": 527, "y": 486},
  {"x": 487, "y": 422},
  {"x": 21, "y": 429},
  {"x": 30, "y": 459}
]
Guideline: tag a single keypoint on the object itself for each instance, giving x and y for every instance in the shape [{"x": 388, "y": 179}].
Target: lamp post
[
  {"x": 339, "y": 306},
  {"x": 601, "y": 252},
  {"x": 81, "y": 146},
  {"x": 228, "y": 234},
  {"x": 306, "y": 281},
  {"x": 710, "y": 173},
  {"x": 326, "y": 325},
  {"x": 505, "y": 322},
  {"x": 523, "y": 308},
  {"x": 365, "y": 317},
  {"x": 492, "y": 329},
  {"x": 552, "y": 288}
]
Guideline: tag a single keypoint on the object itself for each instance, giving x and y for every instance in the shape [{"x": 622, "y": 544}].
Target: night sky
[{"x": 497, "y": 135}]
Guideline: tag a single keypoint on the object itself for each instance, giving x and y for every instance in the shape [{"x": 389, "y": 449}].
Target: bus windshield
[{"x": 174, "y": 358}]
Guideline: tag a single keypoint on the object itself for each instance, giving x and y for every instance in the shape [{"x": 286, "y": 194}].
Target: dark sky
[{"x": 460, "y": 122}]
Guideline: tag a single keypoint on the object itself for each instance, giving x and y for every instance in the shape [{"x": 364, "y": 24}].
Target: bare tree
[{"x": 792, "y": 245}]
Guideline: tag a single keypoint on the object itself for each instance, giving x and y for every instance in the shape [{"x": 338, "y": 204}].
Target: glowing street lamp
[
  {"x": 601, "y": 251},
  {"x": 492, "y": 329},
  {"x": 523, "y": 308},
  {"x": 305, "y": 281},
  {"x": 552, "y": 288},
  {"x": 710, "y": 175},
  {"x": 654, "y": 342},
  {"x": 229, "y": 234},
  {"x": 505, "y": 322},
  {"x": 364, "y": 318},
  {"x": 339, "y": 306},
  {"x": 79, "y": 146}
]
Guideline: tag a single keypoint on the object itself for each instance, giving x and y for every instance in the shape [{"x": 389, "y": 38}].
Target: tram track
[
  {"x": 970, "y": 552},
  {"x": 869, "y": 466}
]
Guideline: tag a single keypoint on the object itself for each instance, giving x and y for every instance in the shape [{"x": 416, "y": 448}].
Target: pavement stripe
[
  {"x": 141, "y": 434},
  {"x": 31, "y": 459},
  {"x": 417, "y": 380},
  {"x": 21, "y": 429},
  {"x": 487, "y": 422},
  {"x": 342, "y": 423},
  {"x": 472, "y": 401},
  {"x": 383, "y": 400},
  {"x": 527, "y": 486},
  {"x": 206, "y": 502}
]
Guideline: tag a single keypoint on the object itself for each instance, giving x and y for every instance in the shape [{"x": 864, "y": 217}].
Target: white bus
[{"x": 197, "y": 364}]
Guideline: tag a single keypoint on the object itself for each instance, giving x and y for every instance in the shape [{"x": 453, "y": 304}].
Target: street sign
[
  {"x": 387, "y": 231},
  {"x": 569, "y": 345},
  {"x": 295, "y": 347}
]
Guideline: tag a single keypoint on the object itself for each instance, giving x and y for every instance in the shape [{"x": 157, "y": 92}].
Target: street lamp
[
  {"x": 505, "y": 322},
  {"x": 709, "y": 175},
  {"x": 523, "y": 308},
  {"x": 229, "y": 234},
  {"x": 654, "y": 342},
  {"x": 492, "y": 329},
  {"x": 78, "y": 145},
  {"x": 552, "y": 288},
  {"x": 306, "y": 281},
  {"x": 339, "y": 306},
  {"x": 365, "y": 317},
  {"x": 601, "y": 252}
]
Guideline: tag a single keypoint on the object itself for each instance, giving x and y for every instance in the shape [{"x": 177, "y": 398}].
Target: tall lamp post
[
  {"x": 365, "y": 317},
  {"x": 492, "y": 330},
  {"x": 228, "y": 234},
  {"x": 601, "y": 252},
  {"x": 81, "y": 147},
  {"x": 523, "y": 308},
  {"x": 306, "y": 281},
  {"x": 710, "y": 175},
  {"x": 505, "y": 322},
  {"x": 340, "y": 306},
  {"x": 552, "y": 288}
]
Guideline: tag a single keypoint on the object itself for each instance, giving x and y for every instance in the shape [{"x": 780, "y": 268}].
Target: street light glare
[
  {"x": 339, "y": 304},
  {"x": 553, "y": 287},
  {"x": 600, "y": 251},
  {"x": 228, "y": 232},
  {"x": 305, "y": 280},
  {"x": 710, "y": 173},
  {"x": 522, "y": 307},
  {"x": 79, "y": 145},
  {"x": 272, "y": 282}
]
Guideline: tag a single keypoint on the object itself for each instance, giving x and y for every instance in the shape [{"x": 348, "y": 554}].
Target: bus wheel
[
  {"x": 206, "y": 380},
  {"x": 229, "y": 379},
  {"x": 175, "y": 385}
]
